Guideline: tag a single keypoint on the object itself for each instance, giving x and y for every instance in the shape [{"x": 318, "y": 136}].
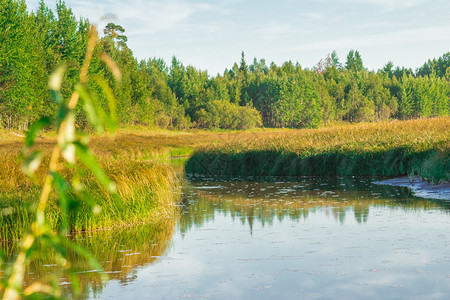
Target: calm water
[{"x": 298, "y": 239}]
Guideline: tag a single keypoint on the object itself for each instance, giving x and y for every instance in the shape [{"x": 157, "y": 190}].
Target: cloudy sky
[{"x": 210, "y": 35}]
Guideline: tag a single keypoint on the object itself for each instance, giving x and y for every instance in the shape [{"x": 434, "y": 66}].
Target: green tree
[
  {"x": 406, "y": 100},
  {"x": 335, "y": 60},
  {"x": 354, "y": 61},
  {"x": 116, "y": 32}
]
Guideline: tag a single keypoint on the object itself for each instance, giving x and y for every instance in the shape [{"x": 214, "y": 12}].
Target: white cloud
[
  {"x": 273, "y": 30},
  {"x": 389, "y": 5},
  {"x": 211, "y": 33},
  {"x": 142, "y": 16},
  {"x": 145, "y": 16},
  {"x": 379, "y": 39},
  {"x": 315, "y": 16}
]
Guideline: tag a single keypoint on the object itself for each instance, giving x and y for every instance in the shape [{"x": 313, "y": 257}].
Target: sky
[{"x": 210, "y": 35}]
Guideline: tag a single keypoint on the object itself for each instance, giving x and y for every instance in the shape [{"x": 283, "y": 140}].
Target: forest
[{"x": 174, "y": 96}]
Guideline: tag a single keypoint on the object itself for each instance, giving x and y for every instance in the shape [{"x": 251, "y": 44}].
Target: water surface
[{"x": 301, "y": 238}]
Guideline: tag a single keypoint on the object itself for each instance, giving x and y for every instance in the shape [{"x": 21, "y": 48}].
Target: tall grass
[
  {"x": 146, "y": 192},
  {"x": 375, "y": 149},
  {"x": 146, "y": 187}
]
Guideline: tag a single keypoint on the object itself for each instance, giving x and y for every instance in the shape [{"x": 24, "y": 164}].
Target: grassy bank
[
  {"x": 136, "y": 159},
  {"x": 146, "y": 190},
  {"x": 375, "y": 149}
]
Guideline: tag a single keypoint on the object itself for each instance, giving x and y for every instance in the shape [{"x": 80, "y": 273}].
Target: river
[{"x": 295, "y": 238}]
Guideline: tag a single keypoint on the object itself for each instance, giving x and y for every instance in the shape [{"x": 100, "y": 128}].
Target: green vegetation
[
  {"x": 156, "y": 94},
  {"x": 145, "y": 193},
  {"x": 136, "y": 159},
  {"x": 373, "y": 149}
]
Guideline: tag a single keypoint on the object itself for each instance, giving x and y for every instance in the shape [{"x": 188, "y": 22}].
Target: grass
[
  {"x": 374, "y": 149},
  {"x": 146, "y": 190},
  {"x": 134, "y": 158}
]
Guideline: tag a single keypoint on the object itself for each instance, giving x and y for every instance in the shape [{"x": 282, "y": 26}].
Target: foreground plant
[{"x": 69, "y": 154}]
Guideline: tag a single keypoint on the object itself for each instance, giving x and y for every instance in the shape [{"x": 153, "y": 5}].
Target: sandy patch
[{"x": 421, "y": 188}]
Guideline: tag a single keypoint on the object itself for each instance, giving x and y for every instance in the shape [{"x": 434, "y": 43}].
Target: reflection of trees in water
[
  {"x": 276, "y": 200},
  {"x": 119, "y": 251}
]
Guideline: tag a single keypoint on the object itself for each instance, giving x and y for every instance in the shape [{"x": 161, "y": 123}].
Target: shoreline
[{"x": 421, "y": 188}]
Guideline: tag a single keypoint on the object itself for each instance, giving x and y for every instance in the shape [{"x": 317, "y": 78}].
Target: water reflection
[
  {"x": 354, "y": 236},
  {"x": 300, "y": 239},
  {"x": 120, "y": 251},
  {"x": 274, "y": 199}
]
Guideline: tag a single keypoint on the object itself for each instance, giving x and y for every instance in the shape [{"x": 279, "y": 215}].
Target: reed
[
  {"x": 146, "y": 192},
  {"x": 375, "y": 149}
]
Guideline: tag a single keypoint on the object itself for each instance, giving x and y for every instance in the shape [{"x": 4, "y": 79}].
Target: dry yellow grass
[{"x": 371, "y": 149}]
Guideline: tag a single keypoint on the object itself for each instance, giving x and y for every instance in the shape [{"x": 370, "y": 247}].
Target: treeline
[{"x": 153, "y": 93}]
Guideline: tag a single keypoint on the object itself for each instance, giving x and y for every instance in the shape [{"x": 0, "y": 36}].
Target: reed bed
[
  {"x": 146, "y": 185},
  {"x": 146, "y": 192},
  {"x": 375, "y": 149}
]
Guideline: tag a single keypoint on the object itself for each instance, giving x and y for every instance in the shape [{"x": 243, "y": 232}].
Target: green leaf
[
  {"x": 32, "y": 163},
  {"x": 54, "y": 242},
  {"x": 75, "y": 282},
  {"x": 88, "y": 159},
  {"x": 89, "y": 200},
  {"x": 94, "y": 112},
  {"x": 55, "y": 80},
  {"x": 34, "y": 131},
  {"x": 67, "y": 137},
  {"x": 54, "y": 83},
  {"x": 62, "y": 189},
  {"x": 63, "y": 111},
  {"x": 107, "y": 91}
]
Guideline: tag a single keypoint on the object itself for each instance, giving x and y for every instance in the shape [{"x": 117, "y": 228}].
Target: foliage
[
  {"x": 154, "y": 94},
  {"x": 223, "y": 114}
]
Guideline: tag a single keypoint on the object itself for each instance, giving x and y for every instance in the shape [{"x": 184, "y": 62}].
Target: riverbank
[
  {"x": 134, "y": 158},
  {"x": 421, "y": 188},
  {"x": 147, "y": 191},
  {"x": 374, "y": 149}
]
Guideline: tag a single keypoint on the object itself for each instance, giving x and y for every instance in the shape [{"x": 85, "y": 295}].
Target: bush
[{"x": 226, "y": 115}]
